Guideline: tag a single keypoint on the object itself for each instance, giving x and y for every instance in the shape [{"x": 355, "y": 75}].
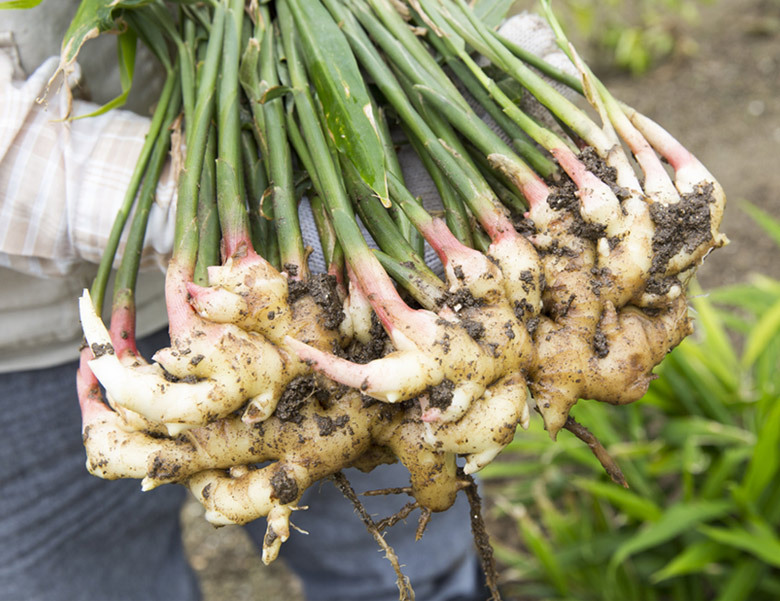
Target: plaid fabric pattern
[{"x": 62, "y": 182}]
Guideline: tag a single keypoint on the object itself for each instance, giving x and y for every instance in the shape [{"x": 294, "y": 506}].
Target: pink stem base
[{"x": 88, "y": 388}]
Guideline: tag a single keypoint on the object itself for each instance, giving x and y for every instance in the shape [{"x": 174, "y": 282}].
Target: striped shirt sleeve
[{"x": 62, "y": 182}]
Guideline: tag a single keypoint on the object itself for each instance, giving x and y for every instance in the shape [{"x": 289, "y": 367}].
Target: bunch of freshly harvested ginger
[{"x": 566, "y": 252}]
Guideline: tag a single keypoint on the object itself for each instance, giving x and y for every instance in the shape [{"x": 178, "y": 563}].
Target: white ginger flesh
[
  {"x": 487, "y": 427},
  {"x": 248, "y": 292},
  {"x": 207, "y": 374}
]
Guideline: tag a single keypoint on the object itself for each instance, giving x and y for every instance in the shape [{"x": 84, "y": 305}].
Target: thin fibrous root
[
  {"x": 401, "y": 514},
  {"x": 605, "y": 459},
  {"x": 481, "y": 538},
  {"x": 422, "y": 524},
  {"x": 401, "y": 490},
  {"x": 404, "y": 587}
]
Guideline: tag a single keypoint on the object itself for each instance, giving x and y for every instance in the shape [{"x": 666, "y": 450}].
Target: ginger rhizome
[{"x": 563, "y": 272}]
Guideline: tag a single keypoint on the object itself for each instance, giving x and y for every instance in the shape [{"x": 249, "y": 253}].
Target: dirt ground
[{"x": 723, "y": 103}]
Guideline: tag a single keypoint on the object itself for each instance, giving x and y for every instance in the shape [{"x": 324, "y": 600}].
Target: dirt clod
[
  {"x": 284, "y": 487},
  {"x": 600, "y": 345},
  {"x": 324, "y": 290},
  {"x": 294, "y": 397},
  {"x": 101, "y": 349},
  {"x": 474, "y": 328},
  {"x": 328, "y": 426},
  {"x": 683, "y": 225},
  {"x": 375, "y": 348},
  {"x": 440, "y": 396}
]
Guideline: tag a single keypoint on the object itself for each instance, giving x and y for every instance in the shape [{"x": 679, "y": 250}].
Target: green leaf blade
[
  {"x": 765, "y": 462},
  {"x": 345, "y": 101},
  {"x": 766, "y": 330},
  {"x": 19, "y": 4},
  {"x": 92, "y": 18},
  {"x": 628, "y": 502},
  {"x": 770, "y": 225},
  {"x": 676, "y": 520},
  {"x": 492, "y": 12},
  {"x": 759, "y": 541},
  {"x": 127, "y": 43},
  {"x": 694, "y": 558}
]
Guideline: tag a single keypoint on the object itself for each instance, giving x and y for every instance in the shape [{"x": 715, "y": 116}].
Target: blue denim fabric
[{"x": 64, "y": 534}]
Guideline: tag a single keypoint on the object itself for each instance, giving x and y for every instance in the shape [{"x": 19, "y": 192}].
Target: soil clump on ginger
[
  {"x": 324, "y": 290},
  {"x": 374, "y": 348},
  {"x": 294, "y": 397},
  {"x": 680, "y": 225}
]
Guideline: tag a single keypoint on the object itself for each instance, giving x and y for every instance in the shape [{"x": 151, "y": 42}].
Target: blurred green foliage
[
  {"x": 701, "y": 453},
  {"x": 630, "y": 34}
]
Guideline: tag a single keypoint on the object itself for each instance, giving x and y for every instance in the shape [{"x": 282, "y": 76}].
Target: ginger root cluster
[{"x": 279, "y": 382}]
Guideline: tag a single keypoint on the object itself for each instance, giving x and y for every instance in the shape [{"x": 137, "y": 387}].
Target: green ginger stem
[
  {"x": 185, "y": 245},
  {"x": 98, "y": 289},
  {"x": 208, "y": 217},
  {"x": 233, "y": 217}
]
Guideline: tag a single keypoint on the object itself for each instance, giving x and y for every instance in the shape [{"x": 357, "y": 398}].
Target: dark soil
[
  {"x": 294, "y": 397},
  {"x": 374, "y": 348},
  {"x": 683, "y": 225},
  {"x": 323, "y": 289},
  {"x": 328, "y": 426},
  {"x": 440, "y": 396},
  {"x": 285, "y": 489}
]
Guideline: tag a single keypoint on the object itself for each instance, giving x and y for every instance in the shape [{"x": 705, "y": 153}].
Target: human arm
[{"x": 62, "y": 182}]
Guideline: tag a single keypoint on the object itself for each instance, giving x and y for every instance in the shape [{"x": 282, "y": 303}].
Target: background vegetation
[{"x": 631, "y": 35}]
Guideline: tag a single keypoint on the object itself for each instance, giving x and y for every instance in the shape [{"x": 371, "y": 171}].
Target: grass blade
[
  {"x": 742, "y": 581},
  {"x": 694, "y": 558},
  {"x": 770, "y": 225},
  {"x": 766, "y": 330},
  {"x": 677, "y": 519},
  {"x": 765, "y": 462},
  {"x": 759, "y": 541},
  {"x": 20, "y": 4},
  {"x": 713, "y": 330},
  {"x": 544, "y": 552},
  {"x": 628, "y": 502}
]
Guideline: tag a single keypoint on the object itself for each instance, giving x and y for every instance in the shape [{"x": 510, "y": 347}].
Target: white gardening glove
[{"x": 531, "y": 32}]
